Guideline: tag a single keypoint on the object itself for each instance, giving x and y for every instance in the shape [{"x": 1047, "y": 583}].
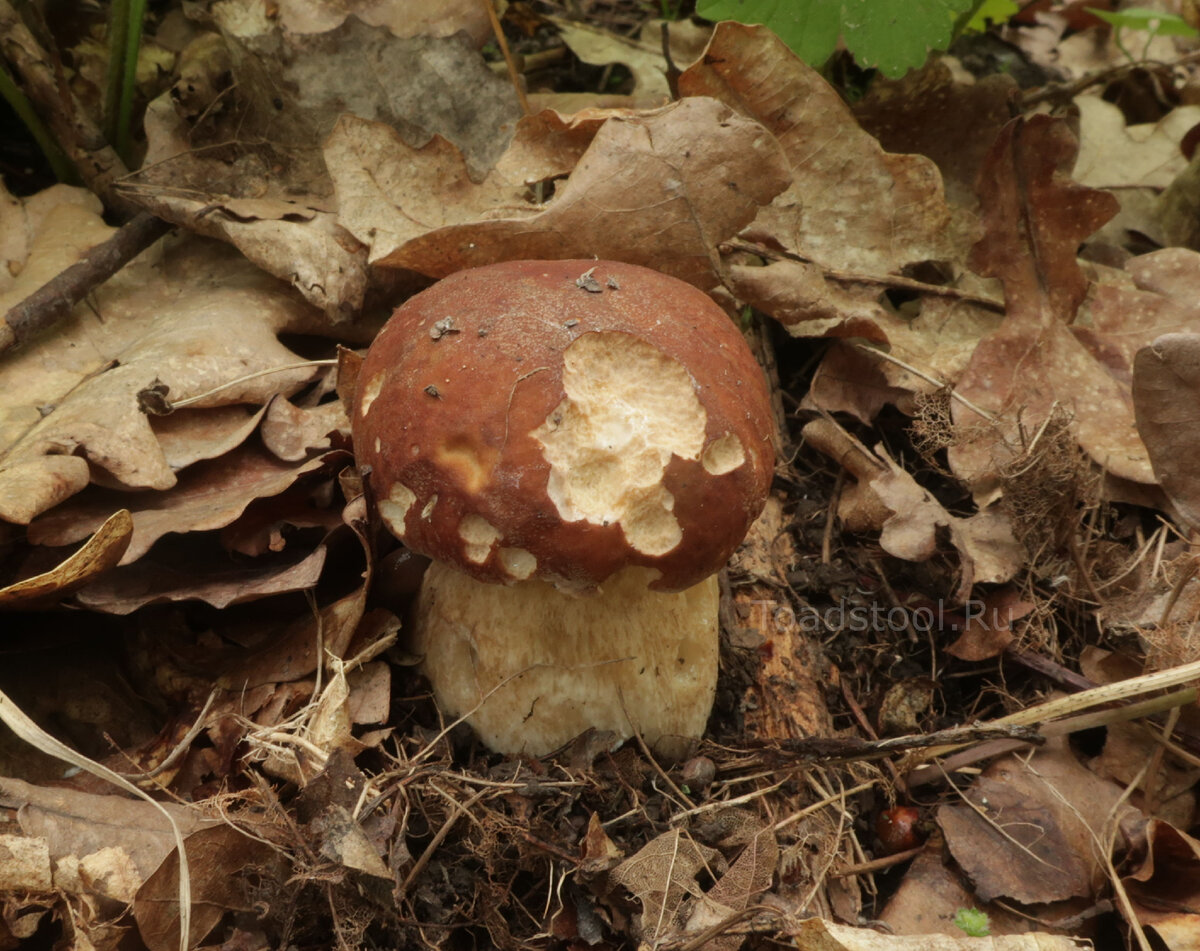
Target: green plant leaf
[
  {"x": 890, "y": 35},
  {"x": 973, "y": 922},
  {"x": 996, "y": 11},
  {"x": 1154, "y": 22}
]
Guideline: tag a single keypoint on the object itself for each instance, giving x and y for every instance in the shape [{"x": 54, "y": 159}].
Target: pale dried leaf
[
  {"x": 1035, "y": 218},
  {"x": 100, "y": 553},
  {"x": 195, "y": 322},
  {"x": 859, "y": 508},
  {"x": 661, "y": 875},
  {"x": 929, "y": 897},
  {"x": 748, "y": 877},
  {"x": 44, "y": 234},
  {"x": 809, "y": 303},
  {"x": 850, "y": 205},
  {"x": 1166, "y": 398},
  {"x": 816, "y": 934},
  {"x": 1115, "y": 155},
  {"x": 207, "y": 497},
  {"x": 989, "y": 625},
  {"x": 642, "y": 57},
  {"x": 79, "y": 823},
  {"x": 660, "y": 190},
  {"x": 291, "y": 432},
  {"x": 987, "y": 549},
  {"x": 370, "y": 691},
  {"x": 110, "y": 872},
  {"x": 24, "y": 864},
  {"x": 244, "y": 168},
  {"x": 223, "y": 862},
  {"x": 401, "y": 17},
  {"x": 931, "y": 112},
  {"x": 1045, "y": 357},
  {"x": 1163, "y": 889}
]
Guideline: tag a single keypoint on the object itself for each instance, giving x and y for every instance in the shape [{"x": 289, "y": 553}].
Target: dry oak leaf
[
  {"x": 1030, "y": 834},
  {"x": 294, "y": 87},
  {"x": 203, "y": 318},
  {"x": 937, "y": 343},
  {"x": 949, "y": 118},
  {"x": 989, "y": 624},
  {"x": 808, "y": 302},
  {"x": 390, "y": 193},
  {"x": 24, "y": 864},
  {"x": 886, "y": 498},
  {"x": 1166, "y": 384},
  {"x": 245, "y": 169},
  {"x": 74, "y": 823},
  {"x": 661, "y": 875},
  {"x": 190, "y": 576},
  {"x": 661, "y": 189},
  {"x": 929, "y": 896},
  {"x": 987, "y": 549},
  {"x": 401, "y": 17},
  {"x": 224, "y": 863},
  {"x": 641, "y": 55},
  {"x": 749, "y": 876},
  {"x": 1115, "y": 155},
  {"x": 42, "y": 235},
  {"x": 208, "y": 496},
  {"x": 851, "y": 205},
  {"x": 1035, "y": 219},
  {"x": 1165, "y": 889},
  {"x": 266, "y": 195}
]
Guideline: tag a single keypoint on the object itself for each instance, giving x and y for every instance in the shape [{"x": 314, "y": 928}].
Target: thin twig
[
  {"x": 54, "y": 300},
  {"x": 438, "y": 838},
  {"x": 513, "y": 73}
]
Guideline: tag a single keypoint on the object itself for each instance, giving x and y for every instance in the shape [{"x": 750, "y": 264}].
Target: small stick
[
  {"x": 877, "y": 865},
  {"x": 513, "y": 73},
  {"x": 52, "y": 301}
]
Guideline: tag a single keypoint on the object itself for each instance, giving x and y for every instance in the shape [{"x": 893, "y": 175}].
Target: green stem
[
  {"x": 1121, "y": 46},
  {"x": 133, "y": 40},
  {"x": 118, "y": 28},
  {"x": 64, "y": 171}
]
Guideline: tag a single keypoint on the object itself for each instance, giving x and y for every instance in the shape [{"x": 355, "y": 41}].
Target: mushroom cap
[{"x": 561, "y": 420}]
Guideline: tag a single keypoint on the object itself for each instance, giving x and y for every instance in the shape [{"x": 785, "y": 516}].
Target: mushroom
[{"x": 579, "y": 446}]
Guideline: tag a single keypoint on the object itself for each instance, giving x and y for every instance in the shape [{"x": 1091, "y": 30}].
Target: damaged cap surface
[{"x": 564, "y": 419}]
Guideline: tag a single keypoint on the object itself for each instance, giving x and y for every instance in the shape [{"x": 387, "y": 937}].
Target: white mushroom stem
[{"x": 625, "y": 659}]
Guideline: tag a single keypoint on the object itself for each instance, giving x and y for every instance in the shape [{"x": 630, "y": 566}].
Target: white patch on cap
[
  {"x": 519, "y": 563},
  {"x": 723, "y": 455},
  {"x": 480, "y": 535},
  {"x": 370, "y": 391},
  {"x": 629, "y": 408},
  {"x": 394, "y": 509},
  {"x": 428, "y": 509}
]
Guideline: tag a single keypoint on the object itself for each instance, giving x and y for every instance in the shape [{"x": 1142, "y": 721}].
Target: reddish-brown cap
[{"x": 562, "y": 420}]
